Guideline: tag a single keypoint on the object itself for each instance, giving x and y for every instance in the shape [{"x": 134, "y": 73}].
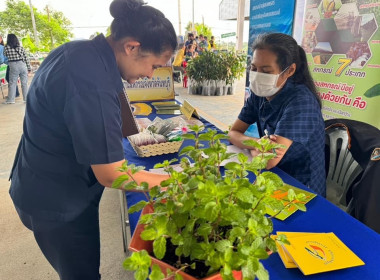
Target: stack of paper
[
  {"x": 316, "y": 252},
  {"x": 167, "y": 108}
]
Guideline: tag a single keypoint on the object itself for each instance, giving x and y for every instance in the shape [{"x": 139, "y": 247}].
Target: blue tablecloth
[{"x": 321, "y": 216}]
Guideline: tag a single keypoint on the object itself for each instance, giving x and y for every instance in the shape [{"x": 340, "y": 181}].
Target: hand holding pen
[{"x": 271, "y": 137}]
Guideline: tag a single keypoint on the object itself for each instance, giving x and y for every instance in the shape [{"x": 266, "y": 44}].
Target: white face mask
[{"x": 263, "y": 84}]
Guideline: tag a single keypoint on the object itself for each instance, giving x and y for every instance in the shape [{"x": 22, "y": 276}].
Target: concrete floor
[{"x": 20, "y": 257}]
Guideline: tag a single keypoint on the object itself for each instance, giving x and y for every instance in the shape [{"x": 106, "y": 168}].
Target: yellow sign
[
  {"x": 159, "y": 87},
  {"x": 188, "y": 110}
]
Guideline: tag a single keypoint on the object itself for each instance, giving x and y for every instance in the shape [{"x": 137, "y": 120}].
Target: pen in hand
[{"x": 267, "y": 135}]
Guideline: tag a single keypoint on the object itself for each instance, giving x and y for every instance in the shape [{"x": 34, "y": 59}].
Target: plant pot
[
  {"x": 225, "y": 89},
  {"x": 208, "y": 88},
  {"x": 137, "y": 244},
  {"x": 232, "y": 89},
  {"x": 219, "y": 88}
]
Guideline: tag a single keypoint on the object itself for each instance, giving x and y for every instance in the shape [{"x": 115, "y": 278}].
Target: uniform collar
[{"x": 109, "y": 60}]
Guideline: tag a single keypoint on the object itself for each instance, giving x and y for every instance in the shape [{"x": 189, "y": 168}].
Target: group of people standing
[
  {"x": 14, "y": 55},
  {"x": 193, "y": 47}
]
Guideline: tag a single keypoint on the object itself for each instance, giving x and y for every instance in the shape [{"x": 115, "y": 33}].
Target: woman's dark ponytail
[
  {"x": 303, "y": 75},
  {"x": 288, "y": 51},
  {"x": 145, "y": 24}
]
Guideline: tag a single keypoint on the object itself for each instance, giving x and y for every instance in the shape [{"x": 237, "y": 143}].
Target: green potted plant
[
  {"x": 210, "y": 71},
  {"x": 235, "y": 68},
  {"x": 202, "y": 221}
]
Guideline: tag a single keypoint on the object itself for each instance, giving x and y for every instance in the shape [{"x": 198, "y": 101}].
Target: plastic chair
[
  {"x": 125, "y": 225},
  {"x": 180, "y": 76},
  {"x": 342, "y": 167}
]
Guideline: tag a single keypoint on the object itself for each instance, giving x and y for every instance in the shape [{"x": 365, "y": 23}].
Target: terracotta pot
[{"x": 137, "y": 244}]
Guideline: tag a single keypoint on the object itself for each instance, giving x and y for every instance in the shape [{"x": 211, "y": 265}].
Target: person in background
[
  {"x": 212, "y": 43},
  {"x": 19, "y": 65},
  {"x": 179, "y": 59},
  {"x": 190, "y": 51},
  {"x": 202, "y": 45},
  {"x": 72, "y": 142},
  {"x": 284, "y": 103},
  {"x": 4, "y": 59},
  {"x": 190, "y": 39}
]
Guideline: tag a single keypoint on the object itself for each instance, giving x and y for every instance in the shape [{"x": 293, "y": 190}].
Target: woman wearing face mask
[
  {"x": 284, "y": 103},
  {"x": 72, "y": 141}
]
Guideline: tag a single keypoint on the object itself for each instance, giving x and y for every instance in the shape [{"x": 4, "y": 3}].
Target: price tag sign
[{"x": 188, "y": 110}]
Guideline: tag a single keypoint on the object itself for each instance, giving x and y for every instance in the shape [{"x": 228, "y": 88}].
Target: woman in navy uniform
[
  {"x": 285, "y": 104},
  {"x": 72, "y": 138}
]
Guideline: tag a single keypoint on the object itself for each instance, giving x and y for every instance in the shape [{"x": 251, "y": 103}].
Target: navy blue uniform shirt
[
  {"x": 293, "y": 113},
  {"x": 72, "y": 121}
]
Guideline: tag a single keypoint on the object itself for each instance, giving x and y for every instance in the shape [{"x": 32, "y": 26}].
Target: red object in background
[{"x": 184, "y": 82}]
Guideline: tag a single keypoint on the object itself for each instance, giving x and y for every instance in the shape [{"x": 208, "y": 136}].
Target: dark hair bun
[{"x": 124, "y": 8}]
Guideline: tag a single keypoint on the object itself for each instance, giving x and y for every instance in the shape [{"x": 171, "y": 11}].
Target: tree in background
[
  {"x": 200, "y": 28},
  {"x": 53, "y": 28}
]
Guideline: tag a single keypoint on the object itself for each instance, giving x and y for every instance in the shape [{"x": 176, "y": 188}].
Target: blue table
[{"x": 321, "y": 216}]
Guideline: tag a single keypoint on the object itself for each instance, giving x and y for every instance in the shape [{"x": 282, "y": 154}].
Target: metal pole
[
  {"x": 51, "y": 33},
  {"x": 192, "y": 28},
  {"x": 179, "y": 18},
  {"x": 33, "y": 23},
  {"x": 240, "y": 25}
]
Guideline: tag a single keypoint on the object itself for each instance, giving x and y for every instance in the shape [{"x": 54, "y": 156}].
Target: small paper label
[{"x": 188, "y": 110}]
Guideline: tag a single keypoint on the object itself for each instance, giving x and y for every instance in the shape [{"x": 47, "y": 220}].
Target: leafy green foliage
[
  {"x": 224, "y": 66},
  {"x": 209, "y": 216},
  {"x": 53, "y": 29}
]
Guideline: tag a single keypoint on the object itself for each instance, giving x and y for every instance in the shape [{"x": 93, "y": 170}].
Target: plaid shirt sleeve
[{"x": 17, "y": 54}]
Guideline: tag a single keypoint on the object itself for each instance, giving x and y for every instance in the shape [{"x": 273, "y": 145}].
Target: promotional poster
[{"x": 342, "y": 42}]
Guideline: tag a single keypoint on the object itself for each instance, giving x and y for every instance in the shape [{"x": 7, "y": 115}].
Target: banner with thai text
[
  {"x": 270, "y": 16},
  {"x": 159, "y": 87},
  {"x": 342, "y": 42}
]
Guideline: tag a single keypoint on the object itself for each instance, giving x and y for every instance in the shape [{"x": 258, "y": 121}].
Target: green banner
[{"x": 342, "y": 42}]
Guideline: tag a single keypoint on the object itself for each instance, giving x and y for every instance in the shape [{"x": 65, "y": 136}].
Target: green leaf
[
  {"x": 236, "y": 232},
  {"x": 159, "y": 247},
  {"x": 141, "y": 274},
  {"x": 252, "y": 143},
  {"x": 130, "y": 186},
  {"x": 260, "y": 254},
  {"x": 180, "y": 219},
  {"x": 119, "y": 181},
  {"x": 222, "y": 245},
  {"x": 245, "y": 195},
  {"x": 154, "y": 191},
  {"x": 160, "y": 224},
  {"x": 242, "y": 158},
  {"x": 138, "y": 260},
  {"x": 212, "y": 211},
  {"x": 171, "y": 227},
  {"x": 204, "y": 230},
  {"x": 138, "y": 206},
  {"x": 262, "y": 273},
  {"x": 156, "y": 273},
  {"x": 221, "y": 136},
  {"x": 233, "y": 166},
  {"x": 188, "y": 136},
  {"x": 146, "y": 219},
  {"x": 149, "y": 234},
  {"x": 178, "y": 276},
  {"x": 291, "y": 195},
  {"x": 186, "y": 150}
]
